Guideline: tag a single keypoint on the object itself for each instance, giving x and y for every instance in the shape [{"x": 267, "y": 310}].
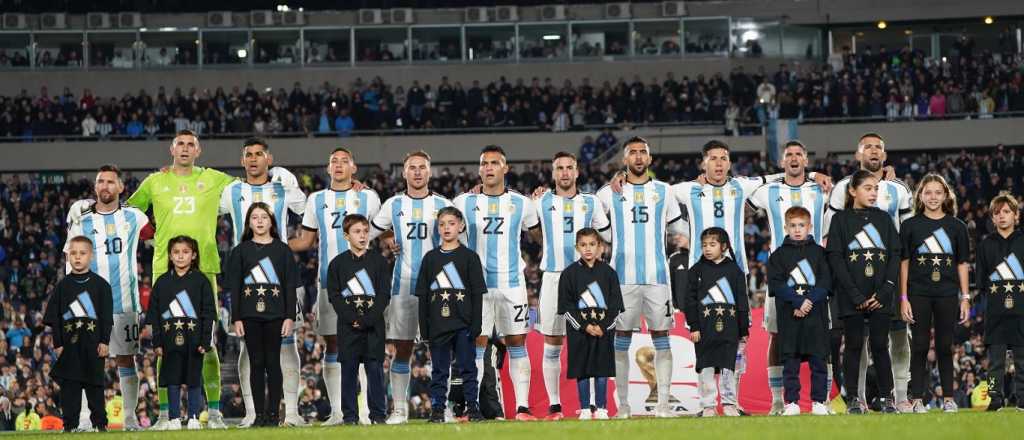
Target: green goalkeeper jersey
[{"x": 184, "y": 205}]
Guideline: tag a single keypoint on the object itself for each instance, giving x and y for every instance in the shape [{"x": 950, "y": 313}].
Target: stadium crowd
[
  {"x": 32, "y": 229},
  {"x": 881, "y": 84}
]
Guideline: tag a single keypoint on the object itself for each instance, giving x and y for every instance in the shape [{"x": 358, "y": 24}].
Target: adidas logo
[{"x": 552, "y": 209}]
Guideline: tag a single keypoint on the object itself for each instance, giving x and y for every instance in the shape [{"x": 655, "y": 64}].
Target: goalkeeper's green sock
[{"x": 211, "y": 380}]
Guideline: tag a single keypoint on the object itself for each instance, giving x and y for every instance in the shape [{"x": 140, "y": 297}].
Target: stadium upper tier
[{"x": 887, "y": 85}]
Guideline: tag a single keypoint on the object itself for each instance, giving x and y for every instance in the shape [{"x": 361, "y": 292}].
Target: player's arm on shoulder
[
  {"x": 142, "y": 198},
  {"x": 381, "y": 223}
]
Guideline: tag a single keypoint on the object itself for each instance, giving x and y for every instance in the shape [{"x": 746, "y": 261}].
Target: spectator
[
  {"x": 88, "y": 125},
  {"x": 344, "y": 123},
  {"x": 588, "y": 151}
]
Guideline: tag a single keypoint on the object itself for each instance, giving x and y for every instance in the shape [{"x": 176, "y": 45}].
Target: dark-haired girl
[
  {"x": 262, "y": 275},
  {"x": 864, "y": 253},
  {"x": 182, "y": 314}
]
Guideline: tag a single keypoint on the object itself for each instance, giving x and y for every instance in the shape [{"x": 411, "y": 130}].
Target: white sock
[
  {"x": 290, "y": 375},
  {"x": 663, "y": 368},
  {"x": 129, "y": 390},
  {"x": 480, "y": 369},
  {"x": 332, "y": 378},
  {"x": 828, "y": 382},
  {"x": 519, "y": 369},
  {"x": 243, "y": 381},
  {"x": 775, "y": 383},
  {"x": 622, "y": 368},
  {"x": 84, "y": 419},
  {"x": 400, "y": 384},
  {"x": 364, "y": 409},
  {"x": 552, "y": 366}
]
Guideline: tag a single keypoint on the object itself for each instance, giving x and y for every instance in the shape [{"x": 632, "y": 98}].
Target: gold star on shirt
[
  {"x": 248, "y": 291},
  {"x": 78, "y": 324},
  {"x": 732, "y": 312},
  {"x": 178, "y": 325},
  {"x": 1021, "y": 286},
  {"x": 276, "y": 291},
  {"x": 949, "y": 261},
  {"x": 800, "y": 290},
  {"x": 600, "y": 315},
  {"x": 91, "y": 326},
  {"x": 261, "y": 291},
  {"x": 167, "y": 326},
  {"x": 921, "y": 259},
  {"x": 720, "y": 310},
  {"x": 853, "y": 256},
  {"x": 881, "y": 256},
  {"x": 445, "y": 295},
  {"x": 936, "y": 260},
  {"x": 593, "y": 314},
  {"x": 868, "y": 256},
  {"x": 359, "y": 303},
  {"x": 369, "y": 302},
  {"x": 67, "y": 327},
  {"x": 191, "y": 325},
  {"x": 1008, "y": 287},
  {"x": 459, "y": 296},
  {"x": 707, "y": 312},
  {"x": 993, "y": 288}
]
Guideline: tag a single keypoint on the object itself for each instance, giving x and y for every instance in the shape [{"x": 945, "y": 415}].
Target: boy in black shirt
[
  {"x": 451, "y": 287},
  {"x": 590, "y": 299},
  {"x": 354, "y": 279},
  {"x": 80, "y": 313},
  {"x": 799, "y": 279},
  {"x": 998, "y": 273}
]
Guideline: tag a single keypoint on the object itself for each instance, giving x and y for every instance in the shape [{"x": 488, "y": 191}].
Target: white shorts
[
  {"x": 402, "y": 318},
  {"x": 771, "y": 321},
  {"x": 124, "y": 337},
  {"x": 551, "y": 323},
  {"x": 652, "y": 301},
  {"x": 507, "y": 311},
  {"x": 326, "y": 317}
]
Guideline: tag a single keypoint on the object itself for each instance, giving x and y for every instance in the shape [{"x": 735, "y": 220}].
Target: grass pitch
[{"x": 962, "y": 426}]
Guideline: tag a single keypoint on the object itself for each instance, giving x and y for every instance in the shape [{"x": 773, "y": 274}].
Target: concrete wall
[{"x": 385, "y": 150}]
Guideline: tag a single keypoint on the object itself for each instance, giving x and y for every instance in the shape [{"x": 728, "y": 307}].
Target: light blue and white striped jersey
[
  {"x": 560, "y": 219},
  {"x": 415, "y": 224},
  {"x": 640, "y": 218},
  {"x": 722, "y": 206},
  {"x": 894, "y": 197},
  {"x": 238, "y": 196},
  {"x": 494, "y": 227},
  {"x": 776, "y": 197},
  {"x": 115, "y": 239},
  {"x": 325, "y": 211}
]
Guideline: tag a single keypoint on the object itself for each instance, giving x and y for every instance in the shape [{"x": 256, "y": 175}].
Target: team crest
[
  {"x": 568, "y": 207},
  {"x": 795, "y": 195},
  {"x": 638, "y": 197},
  {"x": 732, "y": 193},
  {"x": 200, "y": 185},
  {"x": 717, "y": 193},
  {"x": 339, "y": 200},
  {"x": 111, "y": 229},
  {"x": 655, "y": 198},
  {"x": 183, "y": 189},
  {"x": 355, "y": 203},
  {"x": 417, "y": 214},
  {"x": 492, "y": 208},
  {"x": 257, "y": 197}
]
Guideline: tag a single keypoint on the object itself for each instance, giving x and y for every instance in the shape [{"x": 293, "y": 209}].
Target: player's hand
[
  {"x": 165, "y": 169},
  {"x": 201, "y": 349},
  {"x": 806, "y": 307},
  {"x": 617, "y": 181},
  {"x": 888, "y": 173},
  {"x": 391, "y": 244},
  {"x": 239, "y": 329},
  {"x": 539, "y": 191},
  {"x": 872, "y": 304},
  {"x": 286, "y": 327},
  {"x": 824, "y": 181},
  {"x": 159, "y": 351},
  {"x": 103, "y": 350},
  {"x": 695, "y": 337},
  {"x": 476, "y": 189},
  {"x": 797, "y": 313},
  {"x": 358, "y": 185},
  {"x": 906, "y": 312},
  {"x": 965, "y": 311},
  {"x": 78, "y": 209}
]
